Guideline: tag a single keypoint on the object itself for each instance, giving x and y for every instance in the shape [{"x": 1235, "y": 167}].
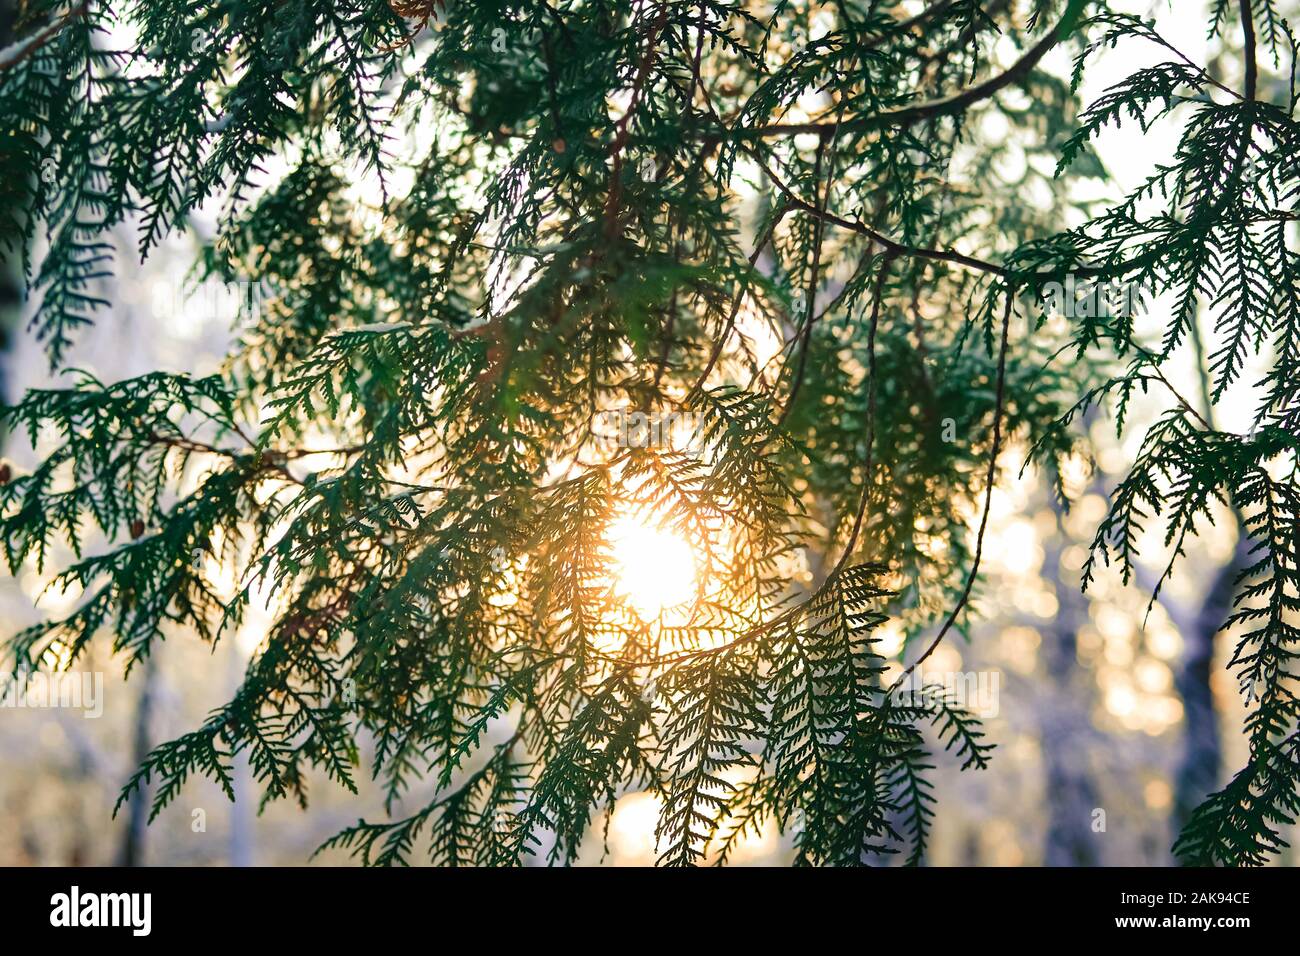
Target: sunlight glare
[{"x": 654, "y": 567}]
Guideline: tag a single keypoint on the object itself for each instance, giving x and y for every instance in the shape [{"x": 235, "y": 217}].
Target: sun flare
[{"x": 654, "y": 568}]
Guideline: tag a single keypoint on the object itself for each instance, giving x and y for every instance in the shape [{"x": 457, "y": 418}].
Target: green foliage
[{"x": 473, "y": 239}]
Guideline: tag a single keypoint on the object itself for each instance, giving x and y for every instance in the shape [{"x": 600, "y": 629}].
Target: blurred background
[{"x": 1112, "y": 718}]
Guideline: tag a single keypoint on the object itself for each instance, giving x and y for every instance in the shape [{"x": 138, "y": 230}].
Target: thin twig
[
  {"x": 809, "y": 319},
  {"x": 988, "y": 499},
  {"x": 868, "y": 460},
  {"x": 897, "y": 248},
  {"x": 739, "y": 297},
  {"x": 922, "y": 111}
]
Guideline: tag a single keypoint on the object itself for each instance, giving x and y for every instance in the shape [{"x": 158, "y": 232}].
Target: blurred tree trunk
[
  {"x": 11, "y": 285},
  {"x": 1202, "y": 757},
  {"x": 1200, "y": 761},
  {"x": 137, "y": 821},
  {"x": 242, "y": 817},
  {"x": 1064, "y": 721}
]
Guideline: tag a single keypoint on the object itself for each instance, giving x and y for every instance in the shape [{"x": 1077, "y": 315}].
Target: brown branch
[
  {"x": 623, "y": 129},
  {"x": 797, "y": 202},
  {"x": 690, "y": 96},
  {"x": 25, "y": 48},
  {"x": 897, "y": 248},
  {"x": 922, "y": 111}
]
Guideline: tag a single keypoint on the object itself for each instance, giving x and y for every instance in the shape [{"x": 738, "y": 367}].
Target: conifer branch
[{"x": 448, "y": 561}]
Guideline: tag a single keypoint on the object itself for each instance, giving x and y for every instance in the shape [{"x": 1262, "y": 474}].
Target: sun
[{"x": 654, "y": 568}]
